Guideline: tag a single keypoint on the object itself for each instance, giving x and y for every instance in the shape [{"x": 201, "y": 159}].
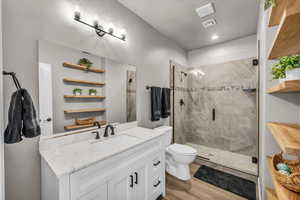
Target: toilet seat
[{"x": 182, "y": 149}]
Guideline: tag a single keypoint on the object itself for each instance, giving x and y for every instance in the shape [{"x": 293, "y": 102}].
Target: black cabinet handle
[
  {"x": 131, "y": 181},
  {"x": 157, "y": 184},
  {"x": 136, "y": 177},
  {"x": 49, "y": 119},
  {"x": 214, "y": 114},
  {"x": 155, "y": 164}
]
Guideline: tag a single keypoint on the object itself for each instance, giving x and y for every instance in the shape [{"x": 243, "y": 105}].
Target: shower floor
[{"x": 232, "y": 160}]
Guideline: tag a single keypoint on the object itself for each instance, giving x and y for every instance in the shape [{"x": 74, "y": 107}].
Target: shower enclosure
[{"x": 215, "y": 111}]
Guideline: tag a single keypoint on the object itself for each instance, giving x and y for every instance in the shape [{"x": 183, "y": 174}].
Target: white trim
[
  {"x": 2, "y": 196},
  {"x": 259, "y": 188}
]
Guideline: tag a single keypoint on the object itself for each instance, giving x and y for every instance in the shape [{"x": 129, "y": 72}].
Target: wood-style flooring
[{"x": 195, "y": 189}]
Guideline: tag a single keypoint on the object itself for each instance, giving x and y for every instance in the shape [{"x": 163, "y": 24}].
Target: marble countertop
[{"x": 73, "y": 157}]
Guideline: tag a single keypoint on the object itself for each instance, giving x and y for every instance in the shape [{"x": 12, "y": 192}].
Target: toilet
[{"x": 178, "y": 156}]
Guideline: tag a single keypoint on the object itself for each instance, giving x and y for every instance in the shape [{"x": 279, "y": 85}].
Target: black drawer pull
[
  {"x": 136, "y": 178},
  {"x": 157, "y": 184},
  {"x": 155, "y": 164},
  {"x": 131, "y": 181}
]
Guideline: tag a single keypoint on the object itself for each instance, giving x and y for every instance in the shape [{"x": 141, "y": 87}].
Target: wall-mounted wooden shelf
[
  {"x": 84, "y": 110},
  {"x": 82, "y": 82},
  {"x": 271, "y": 194},
  {"x": 75, "y": 126},
  {"x": 277, "y": 12},
  {"x": 281, "y": 192},
  {"x": 287, "y": 40},
  {"x": 286, "y": 86},
  {"x": 83, "y": 68},
  {"x": 287, "y": 136},
  {"x": 83, "y": 97}
]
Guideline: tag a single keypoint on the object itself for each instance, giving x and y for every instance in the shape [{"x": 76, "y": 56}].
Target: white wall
[
  {"x": 232, "y": 50},
  {"x": 26, "y": 22}
]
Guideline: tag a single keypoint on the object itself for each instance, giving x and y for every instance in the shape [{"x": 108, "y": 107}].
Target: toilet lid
[{"x": 182, "y": 149}]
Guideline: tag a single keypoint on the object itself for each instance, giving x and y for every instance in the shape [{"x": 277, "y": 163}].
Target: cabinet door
[
  {"x": 140, "y": 182},
  {"x": 121, "y": 186},
  {"x": 98, "y": 193}
]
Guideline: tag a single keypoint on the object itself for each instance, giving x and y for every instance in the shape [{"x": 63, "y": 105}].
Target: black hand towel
[
  {"x": 31, "y": 127},
  {"x": 12, "y": 132},
  {"x": 155, "y": 103},
  {"x": 165, "y": 103}
]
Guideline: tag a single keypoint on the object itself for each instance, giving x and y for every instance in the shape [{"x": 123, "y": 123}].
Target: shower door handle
[{"x": 213, "y": 114}]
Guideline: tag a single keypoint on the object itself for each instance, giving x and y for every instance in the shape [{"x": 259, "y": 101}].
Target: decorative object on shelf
[
  {"x": 291, "y": 181},
  {"x": 77, "y": 91},
  {"x": 283, "y": 167},
  {"x": 85, "y": 62},
  {"x": 269, "y": 3},
  {"x": 92, "y": 92},
  {"x": 288, "y": 68},
  {"x": 86, "y": 121},
  {"x": 249, "y": 89},
  {"x": 100, "y": 31}
]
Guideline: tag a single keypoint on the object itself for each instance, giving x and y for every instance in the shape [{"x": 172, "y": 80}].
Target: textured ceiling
[{"x": 178, "y": 20}]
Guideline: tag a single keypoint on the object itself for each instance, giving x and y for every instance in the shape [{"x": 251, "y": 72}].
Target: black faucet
[
  {"x": 106, "y": 130},
  {"x": 96, "y": 123},
  {"x": 97, "y": 135}
]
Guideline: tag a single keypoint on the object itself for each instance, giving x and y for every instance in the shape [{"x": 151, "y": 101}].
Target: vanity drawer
[
  {"x": 156, "y": 186},
  {"x": 157, "y": 162}
]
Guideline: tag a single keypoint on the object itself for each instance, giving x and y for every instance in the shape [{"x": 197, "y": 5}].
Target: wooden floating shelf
[
  {"x": 287, "y": 41},
  {"x": 85, "y": 110},
  {"x": 281, "y": 192},
  {"x": 83, "y": 68},
  {"x": 287, "y": 136},
  {"x": 286, "y": 86},
  {"x": 83, "y": 82},
  {"x": 83, "y": 97},
  {"x": 75, "y": 126},
  {"x": 277, "y": 12}
]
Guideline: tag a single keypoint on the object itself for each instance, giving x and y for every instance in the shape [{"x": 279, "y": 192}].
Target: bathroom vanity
[{"x": 127, "y": 166}]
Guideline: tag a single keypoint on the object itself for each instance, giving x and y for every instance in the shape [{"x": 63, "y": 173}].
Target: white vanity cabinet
[{"x": 137, "y": 173}]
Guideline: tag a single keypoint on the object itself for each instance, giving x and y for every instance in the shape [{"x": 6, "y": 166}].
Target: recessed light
[
  {"x": 205, "y": 10},
  {"x": 214, "y": 37},
  {"x": 208, "y": 23}
]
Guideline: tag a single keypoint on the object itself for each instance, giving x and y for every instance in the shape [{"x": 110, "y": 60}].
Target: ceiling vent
[
  {"x": 209, "y": 23},
  {"x": 206, "y": 10}
]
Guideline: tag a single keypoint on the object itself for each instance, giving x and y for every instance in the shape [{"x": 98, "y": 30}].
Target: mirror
[{"x": 77, "y": 88}]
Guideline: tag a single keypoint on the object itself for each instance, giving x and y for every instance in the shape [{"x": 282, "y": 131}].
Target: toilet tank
[{"x": 168, "y": 130}]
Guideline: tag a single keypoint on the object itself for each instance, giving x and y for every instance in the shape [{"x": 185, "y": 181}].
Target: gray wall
[
  {"x": 276, "y": 108},
  {"x": 26, "y": 22},
  {"x": 242, "y": 48}
]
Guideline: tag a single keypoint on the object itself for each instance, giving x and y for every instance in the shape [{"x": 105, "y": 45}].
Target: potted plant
[
  {"x": 288, "y": 67},
  {"x": 77, "y": 91},
  {"x": 85, "y": 62},
  {"x": 269, "y": 3},
  {"x": 93, "y": 92}
]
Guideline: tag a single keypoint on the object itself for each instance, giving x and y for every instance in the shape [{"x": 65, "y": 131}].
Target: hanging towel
[
  {"x": 22, "y": 118},
  {"x": 31, "y": 127},
  {"x": 155, "y": 103},
  {"x": 165, "y": 103},
  {"x": 12, "y": 133}
]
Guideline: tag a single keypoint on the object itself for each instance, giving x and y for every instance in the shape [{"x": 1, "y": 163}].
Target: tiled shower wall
[{"x": 230, "y": 89}]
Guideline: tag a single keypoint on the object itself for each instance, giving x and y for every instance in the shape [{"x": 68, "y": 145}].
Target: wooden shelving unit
[
  {"x": 83, "y": 82},
  {"x": 75, "y": 126},
  {"x": 84, "y": 110},
  {"x": 83, "y": 97},
  {"x": 83, "y": 68},
  {"x": 286, "y": 86},
  {"x": 287, "y": 41},
  {"x": 287, "y": 136},
  {"x": 281, "y": 192},
  {"x": 277, "y": 12},
  {"x": 271, "y": 194}
]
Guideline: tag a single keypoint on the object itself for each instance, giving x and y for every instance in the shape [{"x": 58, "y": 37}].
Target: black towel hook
[{"x": 14, "y": 77}]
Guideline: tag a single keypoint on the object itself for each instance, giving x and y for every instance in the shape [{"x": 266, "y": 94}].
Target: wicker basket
[
  {"x": 87, "y": 121},
  {"x": 291, "y": 182}
]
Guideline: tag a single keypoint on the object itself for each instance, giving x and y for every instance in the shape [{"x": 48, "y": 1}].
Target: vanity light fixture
[{"x": 100, "y": 31}]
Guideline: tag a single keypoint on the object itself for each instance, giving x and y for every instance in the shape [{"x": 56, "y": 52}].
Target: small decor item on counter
[
  {"x": 291, "y": 179},
  {"x": 288, "y": 68},
  {"x": 77, "y": 91},
  {"x": 92, "y": 92},
  {"x": 85, "y": 62},
  {"x": 86, "y": 121},
  {"x": 283, "y": 167},
  {"x": 269, "y": 3}
]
